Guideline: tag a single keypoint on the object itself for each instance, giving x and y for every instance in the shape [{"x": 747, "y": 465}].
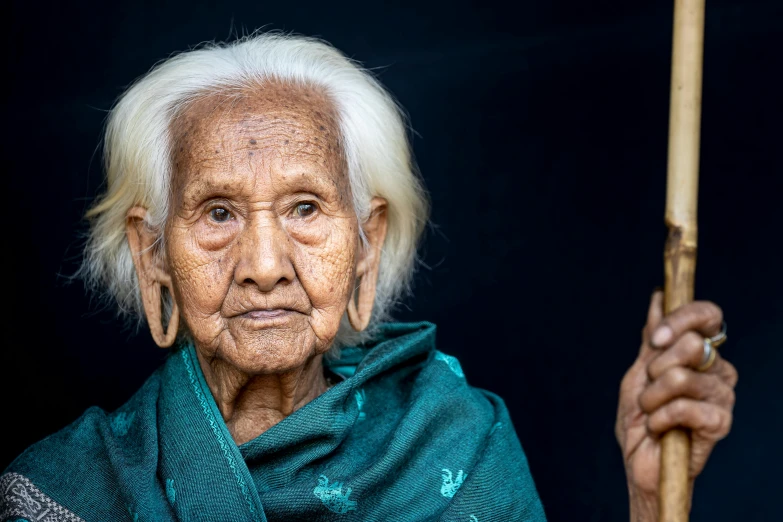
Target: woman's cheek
[
  {"x": 312, "y": 232},
  {"x": 327, "y": 270},
  {"x": 200, "y": 268},
  {"x": 210, "y": 237},
  {"x": 203, "y": 288}
]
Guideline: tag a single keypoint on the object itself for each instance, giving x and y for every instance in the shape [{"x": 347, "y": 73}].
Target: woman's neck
[{"x": 251, "y": 404}]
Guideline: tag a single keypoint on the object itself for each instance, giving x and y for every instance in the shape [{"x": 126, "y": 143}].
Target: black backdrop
[{"x": 541, "y": 133}]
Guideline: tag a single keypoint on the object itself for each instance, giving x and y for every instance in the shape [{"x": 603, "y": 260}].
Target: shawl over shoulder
[{"x": 402, "y": 437}]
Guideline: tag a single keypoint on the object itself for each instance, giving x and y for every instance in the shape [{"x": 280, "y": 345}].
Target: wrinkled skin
[
  {"x": 663, "y": 390},
  {"x": 262, "y": 254},
  {"x": 262, "y": 247}
]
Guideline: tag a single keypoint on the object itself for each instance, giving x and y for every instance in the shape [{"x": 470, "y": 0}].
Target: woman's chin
[{"x": 281, "y": 346}]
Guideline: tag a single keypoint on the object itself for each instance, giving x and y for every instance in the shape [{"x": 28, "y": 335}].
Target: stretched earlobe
[
  {"x": 163, "y": 338},
  {"x": 359, "y": 315},
  {"x": 152, "y": 278},
  {"x": 362, "y": 299}
]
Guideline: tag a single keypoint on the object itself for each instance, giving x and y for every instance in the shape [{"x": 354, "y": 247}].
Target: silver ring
[
  {"x": 719, "y": 339},
  {"x": 709, "y": 355}
]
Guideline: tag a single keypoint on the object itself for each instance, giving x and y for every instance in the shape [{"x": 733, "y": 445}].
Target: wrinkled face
[{"x": 262, "y": 239}]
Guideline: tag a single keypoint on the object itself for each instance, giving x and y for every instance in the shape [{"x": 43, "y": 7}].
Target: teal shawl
[{"x": 402, "y": 437}]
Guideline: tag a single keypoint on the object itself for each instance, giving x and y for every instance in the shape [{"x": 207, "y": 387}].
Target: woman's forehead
[
  {"x": 278, "y": 124},
  {"x": 272, "y": 100}
]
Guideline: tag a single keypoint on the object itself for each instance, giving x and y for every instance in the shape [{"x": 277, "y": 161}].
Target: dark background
[{"x": 541, "y": 133}]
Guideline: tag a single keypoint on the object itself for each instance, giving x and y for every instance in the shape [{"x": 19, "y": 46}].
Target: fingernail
[{"x": 661, "y": 335}]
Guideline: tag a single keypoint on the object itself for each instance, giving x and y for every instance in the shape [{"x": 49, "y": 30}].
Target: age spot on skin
[{"x": 252, "y": 142}]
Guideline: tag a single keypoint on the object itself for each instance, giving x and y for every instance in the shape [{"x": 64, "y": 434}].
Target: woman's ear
[
  {"x": 152, "y": 277},
  {"x": 367, "y": 266}
]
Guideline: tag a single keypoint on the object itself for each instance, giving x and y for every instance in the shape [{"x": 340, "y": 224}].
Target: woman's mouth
[{"x": 267, "y": 314}]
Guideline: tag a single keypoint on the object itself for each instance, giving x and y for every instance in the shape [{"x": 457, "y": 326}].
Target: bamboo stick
[{"x": 681, "y": 207}]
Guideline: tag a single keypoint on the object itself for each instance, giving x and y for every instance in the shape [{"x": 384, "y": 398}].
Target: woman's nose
[{"x": 264, "y": 256}]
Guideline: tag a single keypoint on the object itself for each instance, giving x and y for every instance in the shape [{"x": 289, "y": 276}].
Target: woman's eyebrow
[
  {"x": 300, "y": 180},
  {"x": 195, "y": 191},
  {"x": 326, "y": 181}
]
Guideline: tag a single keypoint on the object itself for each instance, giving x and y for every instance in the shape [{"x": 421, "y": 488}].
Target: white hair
[{"x": 138, "y": 155}]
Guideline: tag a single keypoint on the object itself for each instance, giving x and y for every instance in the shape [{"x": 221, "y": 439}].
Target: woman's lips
[
  {"x": 267, "y": 314},
  {"x": 257, "y": 320}
]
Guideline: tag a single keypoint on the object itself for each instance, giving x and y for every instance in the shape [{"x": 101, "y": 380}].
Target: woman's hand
[{"x": 663, "y": 390}]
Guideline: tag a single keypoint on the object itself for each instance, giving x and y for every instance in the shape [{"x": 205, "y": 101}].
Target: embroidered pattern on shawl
[
  {"x": 20, "y": 498},
  {"x": 218, "y": 435}
]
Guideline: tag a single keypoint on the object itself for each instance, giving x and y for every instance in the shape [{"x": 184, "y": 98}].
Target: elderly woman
[{"x": 262, "y": 214}]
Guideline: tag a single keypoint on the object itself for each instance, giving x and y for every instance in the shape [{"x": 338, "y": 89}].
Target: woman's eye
[
  {"x": 304, "y": 209},
  {"x": 219, "y": 215}
]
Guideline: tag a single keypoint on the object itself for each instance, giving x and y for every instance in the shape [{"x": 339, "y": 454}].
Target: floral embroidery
[
  {"x": 360, "y": 399},
  {"x": 450, "y": 483},
  {"x": 332, "y": 495},
  {"x": 171, "y": 493},
  {"x": 451, "y": 361},
  {"x": 121, "y": 423}
]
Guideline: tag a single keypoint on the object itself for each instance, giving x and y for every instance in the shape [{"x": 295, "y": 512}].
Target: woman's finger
[
  {"x": 703, "y": 316},
  {"x": 687, "y": 351},
  {"x": 683, "y": 382},
  {"x": 711, "y": 421},
  {"x": 725, "y": 370},
  {"x": 654, "y": 317},
  {"x": 655, "y": 311}
]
